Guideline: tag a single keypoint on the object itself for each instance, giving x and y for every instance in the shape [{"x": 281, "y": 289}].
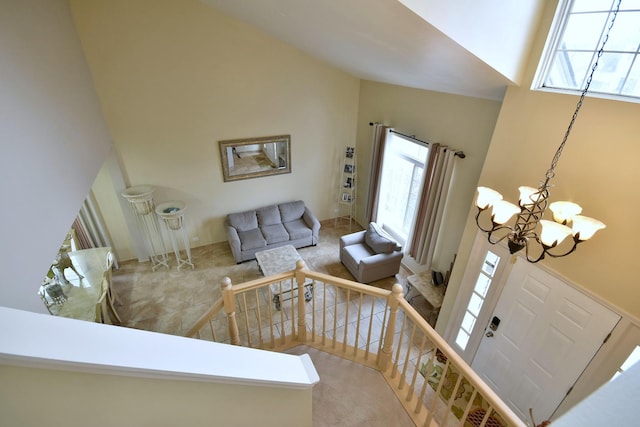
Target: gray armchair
[{"x": 370, "y": 254}]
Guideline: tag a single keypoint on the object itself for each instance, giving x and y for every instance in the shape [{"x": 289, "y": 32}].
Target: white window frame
[
  {"x": 474, "y": 265},
  {"x": 399, "y": 235},
  {"x": 554, "y": 38}
]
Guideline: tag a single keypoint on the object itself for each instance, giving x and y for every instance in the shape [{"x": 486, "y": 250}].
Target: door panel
[{"x": 547, "y": 334}]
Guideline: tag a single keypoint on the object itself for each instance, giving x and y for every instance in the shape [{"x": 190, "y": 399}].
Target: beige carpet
[
  {"x": 170, "y": 300},
  {"x": 350, "y": 394}
]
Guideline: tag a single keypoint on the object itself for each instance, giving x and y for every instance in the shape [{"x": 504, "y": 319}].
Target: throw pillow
[{"x": 378, "y": 239}]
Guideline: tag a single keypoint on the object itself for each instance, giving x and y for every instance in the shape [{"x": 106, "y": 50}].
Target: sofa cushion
[
  {"x": 291, "y": 210},
  {"x": 268, "y": 215},
  {"x": 251, "y": 239},
  {"x": 298, "y": 229},
  {"x": 274, "y": 233},
  {"x": 378, "y": 239},
  {"x": 243, "y": 221}
]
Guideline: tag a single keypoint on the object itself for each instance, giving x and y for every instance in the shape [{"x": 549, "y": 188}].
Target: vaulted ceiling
[{"x": 381, "y": 40}]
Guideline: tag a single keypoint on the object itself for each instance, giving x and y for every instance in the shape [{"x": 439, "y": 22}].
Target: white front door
[{"x": 548, "y": 332}]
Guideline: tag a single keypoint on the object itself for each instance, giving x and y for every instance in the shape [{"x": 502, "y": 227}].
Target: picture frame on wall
[
  {"x": 349, "y": 153},
  {"x": 255, "y": 157},
  {"x": 346, "y": 197}
]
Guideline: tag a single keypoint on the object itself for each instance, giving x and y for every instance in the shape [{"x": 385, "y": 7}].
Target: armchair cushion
[
  {"x": 357, "y": 252},
  {"x": 378, "y": 240}
]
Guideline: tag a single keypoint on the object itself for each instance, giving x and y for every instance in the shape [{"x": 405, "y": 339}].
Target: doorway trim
[
  {"x": 469, "y": 277},
  {"x": 624, "y": 336}
]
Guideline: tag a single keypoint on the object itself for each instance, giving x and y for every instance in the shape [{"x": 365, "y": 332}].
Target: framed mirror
[{"x": 255, "y": 157}]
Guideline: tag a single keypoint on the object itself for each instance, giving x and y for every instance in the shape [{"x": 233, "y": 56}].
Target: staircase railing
[{"x": 372, "y": 326}]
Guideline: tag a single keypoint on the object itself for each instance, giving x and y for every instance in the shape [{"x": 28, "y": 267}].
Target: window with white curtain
[
  {"x": 403, "y": 166},
  {"x": 572, "y": 47}
]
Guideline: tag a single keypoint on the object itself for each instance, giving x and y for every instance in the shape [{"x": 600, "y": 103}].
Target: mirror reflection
[{"x": 255, "y": 157}]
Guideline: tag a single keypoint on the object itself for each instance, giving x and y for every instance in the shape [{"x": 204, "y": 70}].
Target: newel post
[
  {"x": 387, "y": 347},
  {"x": 301, "y": 278},
  {"x": 229, "y": 301}
]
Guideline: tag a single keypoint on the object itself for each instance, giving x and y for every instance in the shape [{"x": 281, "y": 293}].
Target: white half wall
[{"x": 84, "y": 373}]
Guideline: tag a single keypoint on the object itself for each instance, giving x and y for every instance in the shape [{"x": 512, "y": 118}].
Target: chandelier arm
[
  {"x": 486, "y": 230},
  {"x": 490, "y": 233},
  {"x": 495, "y": 226},
  {"x": 541, "y": 257},
  {"x": 573, "y": 248}
]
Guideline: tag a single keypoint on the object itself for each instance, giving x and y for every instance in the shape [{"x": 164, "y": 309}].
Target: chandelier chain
[{"x": 551, "y": 172}]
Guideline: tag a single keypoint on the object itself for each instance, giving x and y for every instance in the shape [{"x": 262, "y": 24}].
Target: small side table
[{"x": 434, "y": 295}]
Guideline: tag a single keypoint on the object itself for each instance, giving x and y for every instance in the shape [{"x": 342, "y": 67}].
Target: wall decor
[{"x": 255, "y": 157}]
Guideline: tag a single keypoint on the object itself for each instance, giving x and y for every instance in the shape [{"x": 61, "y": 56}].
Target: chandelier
[{"x": 533, "y": 203}]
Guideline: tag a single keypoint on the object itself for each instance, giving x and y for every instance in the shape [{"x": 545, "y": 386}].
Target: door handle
[{"x": 489, "y": 334}]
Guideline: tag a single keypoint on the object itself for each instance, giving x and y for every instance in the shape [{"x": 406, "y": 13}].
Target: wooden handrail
[
  {"x": 277, "y": 329},
  {"x": 465, "y": 370},
  {"x": 348, "y": 284},
  {"x": 262, "y": 282},
  {"x": 206, "y": 317}
]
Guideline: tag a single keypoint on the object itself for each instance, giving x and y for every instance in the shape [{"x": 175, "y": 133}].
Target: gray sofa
[
  {"x": 290, "y": 223},
  {"x": 370, "y": 254}
]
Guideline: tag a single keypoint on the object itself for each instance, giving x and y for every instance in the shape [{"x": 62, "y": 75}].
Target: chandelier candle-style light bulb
[
  {"x": 487, "y": 197},
  {"x": 503, "y": 211},
  {"x": 563, "y": 212},
  {"x": 526, "y": 195},
  {"x": 586, "y": 227},
  {"x": 553, "y": 233}
]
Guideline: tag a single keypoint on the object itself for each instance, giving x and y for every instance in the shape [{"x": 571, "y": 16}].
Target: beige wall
[
  {"x": 479, "y": 25},
  {"x": 53, "y": 139},
  {"x": 461, "y": 122},
  {"x": 598, "y": 170},
  {"x": 175, "y": 77},
  {"x": 30, "y": 397}
]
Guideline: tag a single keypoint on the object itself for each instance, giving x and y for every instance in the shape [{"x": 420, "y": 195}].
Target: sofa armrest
[
  {"x": 352, "y": 239},
  {"x": 234, "y": 241},
  {"x": 310, "y": 219}
]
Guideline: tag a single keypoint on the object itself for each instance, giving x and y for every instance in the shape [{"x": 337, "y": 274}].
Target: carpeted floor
[
  {"x": 170, "y": 301},
  {"x": 350, "y": 394}
]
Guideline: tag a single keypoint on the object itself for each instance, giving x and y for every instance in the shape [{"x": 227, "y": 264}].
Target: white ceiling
[{"x": 380, "y": 40}]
